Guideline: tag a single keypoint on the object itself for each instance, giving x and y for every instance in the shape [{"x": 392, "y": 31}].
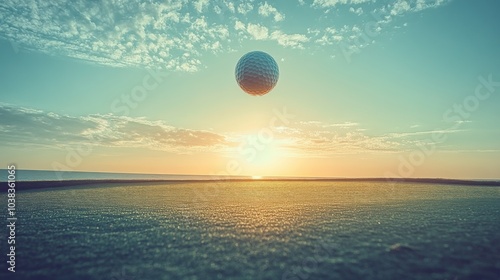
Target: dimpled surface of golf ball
[{"x": 257, "y": 73}]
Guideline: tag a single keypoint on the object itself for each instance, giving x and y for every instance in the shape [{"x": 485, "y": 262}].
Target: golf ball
[{"x": 257, "y": 73}]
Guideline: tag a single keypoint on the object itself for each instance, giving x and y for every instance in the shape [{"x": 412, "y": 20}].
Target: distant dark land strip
[{"x": 31, "y": 185}]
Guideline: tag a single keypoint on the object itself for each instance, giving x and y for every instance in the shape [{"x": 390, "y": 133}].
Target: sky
[{"x": 367, "y": 88}]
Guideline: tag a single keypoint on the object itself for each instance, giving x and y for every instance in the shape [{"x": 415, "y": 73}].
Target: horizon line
[
  {"x": 249, "y": 177},
  {"x": 49, "y": 184}
]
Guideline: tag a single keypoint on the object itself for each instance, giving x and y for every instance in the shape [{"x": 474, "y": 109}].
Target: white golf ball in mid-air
[{"x": 257, "y": 73}]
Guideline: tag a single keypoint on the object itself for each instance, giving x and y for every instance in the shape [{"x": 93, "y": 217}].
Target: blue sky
[{"x": 149, "y": 87}]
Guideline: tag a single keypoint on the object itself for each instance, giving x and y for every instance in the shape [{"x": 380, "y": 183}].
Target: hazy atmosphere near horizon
[{"x": 366, "y": 88}]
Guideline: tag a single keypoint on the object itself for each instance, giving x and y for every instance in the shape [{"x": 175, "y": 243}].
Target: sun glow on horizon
[{"x": 256, "y": 177}]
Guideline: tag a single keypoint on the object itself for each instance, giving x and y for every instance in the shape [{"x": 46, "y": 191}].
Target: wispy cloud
[
  {"x": 358, "y": 11},
  {"x": 320, "y": 139},
  {"x": 116, "y": 33},
  {"x": 332, "y": 3},
  {"x": 29, "y": 127},
  {"x": 258, "y": 31},
  {"x": 23, "y": 126},
  {"x": 261, "y": 32},
  {"x": 374, "y": 19},
  {"x": 244, "y": 8},
  {"x": 176, "y": 34},
  {"x": 268, "y": 10},
  {"x": 200, "y": 5},
  {"x": 403, "y": 6},
  {"x": 428, "y": 132},
  {"x": 400, "y": 7},
  {"x": 289, "y": 40},
  {"x": 326, "y": 125}
]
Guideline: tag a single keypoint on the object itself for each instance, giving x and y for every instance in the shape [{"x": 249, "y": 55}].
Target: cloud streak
[
  {"x": 23, "y": 126},
  {"x": 318, "y": 139},
  {"x": 29, "y": 127}
]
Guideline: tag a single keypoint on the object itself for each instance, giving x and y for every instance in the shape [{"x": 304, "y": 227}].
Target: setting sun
[{"x": 256, "y": 177}]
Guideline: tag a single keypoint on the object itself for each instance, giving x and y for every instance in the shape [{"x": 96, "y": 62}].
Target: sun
[{"x": 256, "y": 177}]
